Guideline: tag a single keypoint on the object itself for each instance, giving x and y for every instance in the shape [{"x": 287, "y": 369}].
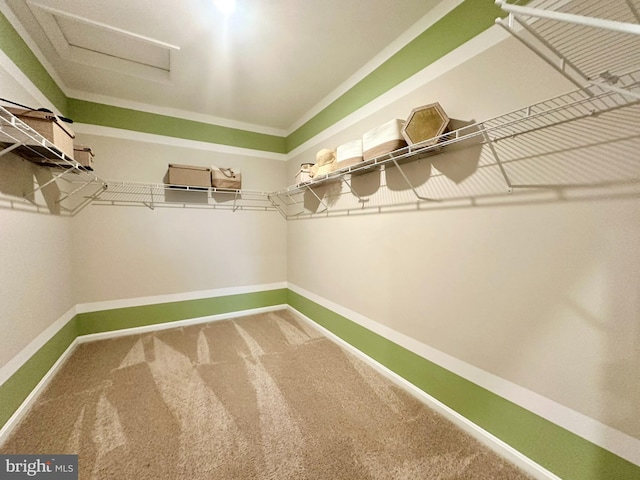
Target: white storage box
[
  {"x": 349, "y": 154},
  {"x": 383, "y": 139},
  {"x": 304, "y": 174}
]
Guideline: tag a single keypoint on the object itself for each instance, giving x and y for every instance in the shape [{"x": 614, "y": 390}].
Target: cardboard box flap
[
  {"x": 64, "y": 126},
  {"x": 38, "y": 115},
  {"x": 188, "y": 167},
  {"x": 82, "y": 148}
]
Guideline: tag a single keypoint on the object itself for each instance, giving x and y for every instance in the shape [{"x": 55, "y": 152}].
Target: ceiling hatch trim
[{"x": 81, "y": 40}]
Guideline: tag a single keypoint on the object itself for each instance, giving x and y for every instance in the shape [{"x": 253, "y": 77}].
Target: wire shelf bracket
[
  {"x": 488, "y": 140},
  {"x": 570, "y": 35}
]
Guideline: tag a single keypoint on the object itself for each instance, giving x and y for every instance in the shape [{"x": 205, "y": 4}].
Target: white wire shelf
[
  {"x": 586, "y": 137},
  {"x": 593, "y": 43},
  {"x": 563, "y": 108},
  {"x": 154, "y": 195},
  {"x": 20, "y": 139},
  {"x": 17, "y": 136},
  {"x": 506, "y": 146}
]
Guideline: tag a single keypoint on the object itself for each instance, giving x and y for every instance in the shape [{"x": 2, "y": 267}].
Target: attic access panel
[
  {"x": 96, "y": 44},
  {"x": 107, "y": 42}
]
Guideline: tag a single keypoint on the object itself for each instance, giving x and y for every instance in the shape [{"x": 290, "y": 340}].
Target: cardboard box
[
  {"x": 189, "y": 176},
  {"x": 84, "y": 156},
  {"x": 49, "y": 126}
]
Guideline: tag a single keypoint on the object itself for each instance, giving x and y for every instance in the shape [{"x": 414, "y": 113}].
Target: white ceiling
[{"x": 268, "y": 64}]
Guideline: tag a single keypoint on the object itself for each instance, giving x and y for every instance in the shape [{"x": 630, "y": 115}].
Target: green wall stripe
[
  {"x": 454, "y": 29},
  {"x": 18, "y": 387},
  {"x": 21, "y": 55},
  {"x": 120, "y": 318},
  {"x": 558, "y": 450},
  {"x": 109, "y": 116}
]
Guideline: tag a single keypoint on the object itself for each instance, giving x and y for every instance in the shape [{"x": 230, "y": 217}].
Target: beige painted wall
[
  {"x": 132, "y": 251},
  {"x": 35, "y": 254},
  {"x": 51, "y": 263},
  {"x": 35, "y": 278},
  {"x": 127, "y": 252},
  {"x": 146, "y": 159},
  {"x": 539, "y": 289}
]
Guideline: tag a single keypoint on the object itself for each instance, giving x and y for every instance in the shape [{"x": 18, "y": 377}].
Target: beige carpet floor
[{"x": 259, "y": 397}]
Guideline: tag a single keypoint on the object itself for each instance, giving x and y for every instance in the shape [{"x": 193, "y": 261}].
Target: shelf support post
[
  {"x": 293, "y": 202},
  {"x": 151, "y": 204},
  {"x": 52, "y": 180},
  {"x": 72, "y": 193},
  {"x": 9, "y": 148},
  {"x": 560, "y": 69},
  {"x": 564, "y": 62},
  {"x": 89, "y": 200},
  {"x": 235, "y": 201},
  {"x": 353, "y": 192},
  {"x": 326, "y": 207},
  {"x": 489, "y": 142},
  {"x": 408, "y": 182},
  {"x": 276, "y": 205}
]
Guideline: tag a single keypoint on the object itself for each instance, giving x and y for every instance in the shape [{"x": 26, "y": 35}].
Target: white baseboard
[
  {"x": 39, "y": 388},
  {"x": 124, "y": 332},
  {"x": 13, "y": 365},
  {"x": 8, "y": 427},
  {"x": 480, "y": 434},
  {"x": 495, "y": 444},
  {"x": 615, "y": 441},
  {"x": 176, "y": 297}
]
